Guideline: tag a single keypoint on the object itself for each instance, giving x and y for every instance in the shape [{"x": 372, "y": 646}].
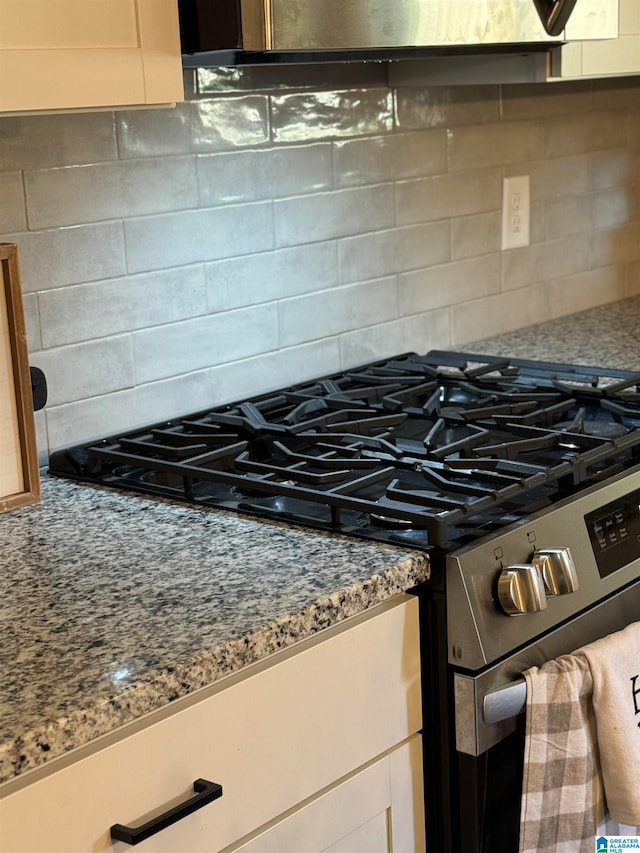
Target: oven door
[{"x": 489, "y": 724}]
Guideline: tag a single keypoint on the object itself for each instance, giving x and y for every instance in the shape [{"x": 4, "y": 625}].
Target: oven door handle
[
  {"x": 505, "y": 703},
  {"x": 484, "y": 718}
]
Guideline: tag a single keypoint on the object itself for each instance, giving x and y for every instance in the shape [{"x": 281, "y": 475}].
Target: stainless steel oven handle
[
  {"x": 505, "y": 703},
  {"x": 485, "y": 718}
]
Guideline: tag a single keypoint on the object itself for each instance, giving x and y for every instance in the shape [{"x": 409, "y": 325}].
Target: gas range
[
  {"x": 521, "y": 479},
  {"x": 420, "y": 451}
]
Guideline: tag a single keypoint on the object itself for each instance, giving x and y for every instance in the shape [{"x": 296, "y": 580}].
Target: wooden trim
[{"x": 17, "y": 373}]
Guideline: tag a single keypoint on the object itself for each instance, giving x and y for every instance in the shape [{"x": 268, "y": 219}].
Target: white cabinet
[
  {"x": 613, "y": 57},
  {"x": 308, "y": 733},
  {"x": 374, "y": 811},
  {"x": 73, "y": 54}
]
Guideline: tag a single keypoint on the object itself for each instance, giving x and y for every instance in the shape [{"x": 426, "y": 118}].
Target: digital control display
[{"x": 614, "y": 531}]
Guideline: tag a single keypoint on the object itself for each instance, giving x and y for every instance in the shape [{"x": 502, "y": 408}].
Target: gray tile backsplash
[
  {"x": 307, "y": 116},
  {"x": 332, "y": 215},
  {"x": 448, "y": 196},
  {"x": 195, "y": 236},
  {"x": 287, "y": 223},
  {"x": 73, "y": 195},
  {"x": 264, "y": 174},
  {"x": 215, "y": 124}
]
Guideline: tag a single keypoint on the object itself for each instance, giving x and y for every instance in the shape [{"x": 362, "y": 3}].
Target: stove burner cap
[
  {"x": 605, "y": 430},
  {"x": 596, "y": 428}
]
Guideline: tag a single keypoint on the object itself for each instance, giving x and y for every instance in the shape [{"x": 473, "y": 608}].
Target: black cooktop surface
[{"x": 420, "y": 451}]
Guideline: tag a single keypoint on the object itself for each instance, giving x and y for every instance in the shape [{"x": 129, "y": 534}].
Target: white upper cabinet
[
  {"x": 614, "y": 57},
  {"x": 74, "y": 54}
]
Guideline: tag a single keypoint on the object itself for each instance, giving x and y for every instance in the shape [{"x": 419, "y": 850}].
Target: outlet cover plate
[{"x": 516, "y": 213}]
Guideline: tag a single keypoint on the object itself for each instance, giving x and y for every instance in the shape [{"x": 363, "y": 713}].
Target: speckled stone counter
[
  {"x": 115, "y": 605},
  {"x": 608, "y": 336}
]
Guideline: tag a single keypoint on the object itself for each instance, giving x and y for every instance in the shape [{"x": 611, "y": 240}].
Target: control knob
[
  {"x": 524, "y": 587},
  {"x": 557, "y": 570},
  {"x": 521, "y": 589}
]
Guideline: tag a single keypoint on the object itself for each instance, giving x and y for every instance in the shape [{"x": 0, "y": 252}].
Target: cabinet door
[
  {"x": 379, "y": 809},
  {"x": 70, "y": 54},
  {"x": 274, "y": 735},
  {"x": 609, "y": 57}
]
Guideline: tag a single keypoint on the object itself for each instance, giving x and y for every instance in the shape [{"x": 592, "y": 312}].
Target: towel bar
[{"x": 505, "y": 703}]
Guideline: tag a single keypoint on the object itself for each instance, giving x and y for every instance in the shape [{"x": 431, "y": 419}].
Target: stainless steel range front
[
  {"x": 521, "y": 479},
  {"x": 546, "y": 586}
]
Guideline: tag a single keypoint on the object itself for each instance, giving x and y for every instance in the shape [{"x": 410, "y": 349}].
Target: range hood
[{"x": 235, "y": 32}]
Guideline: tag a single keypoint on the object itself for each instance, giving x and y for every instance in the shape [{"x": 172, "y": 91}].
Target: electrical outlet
[{"x": 515, "y": 212}]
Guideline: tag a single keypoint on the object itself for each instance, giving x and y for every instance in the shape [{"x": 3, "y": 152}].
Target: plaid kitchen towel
[
  {"x": 562, "y": 798},
  {"x": 563, "y": 802}
]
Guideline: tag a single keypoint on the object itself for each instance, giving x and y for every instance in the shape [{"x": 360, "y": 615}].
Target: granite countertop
[
  {"x": 606, "y": 336},
  {"x": 116, "y": 605}
]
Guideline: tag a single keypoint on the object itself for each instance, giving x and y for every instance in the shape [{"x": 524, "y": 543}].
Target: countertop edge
[{"x": 37, "y": 746}]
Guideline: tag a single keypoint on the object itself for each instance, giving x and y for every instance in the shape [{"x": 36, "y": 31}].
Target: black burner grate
[{"x": 442, "y": 445}]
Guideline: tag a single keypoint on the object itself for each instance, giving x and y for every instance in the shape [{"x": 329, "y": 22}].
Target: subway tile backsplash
[
  {"x": 73, "y": 195},
  {"x": 287, "y": 223}
]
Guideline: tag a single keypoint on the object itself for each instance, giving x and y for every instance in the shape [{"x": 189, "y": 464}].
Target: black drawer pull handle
[{"x": 206, "y": 792}]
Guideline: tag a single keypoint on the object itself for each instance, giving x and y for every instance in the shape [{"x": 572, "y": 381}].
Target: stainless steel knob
[
  {"x": 557, "y": 570},
  {"x": 521, "y": 590}
]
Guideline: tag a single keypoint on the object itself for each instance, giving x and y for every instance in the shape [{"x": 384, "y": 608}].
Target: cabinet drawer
[
  {"x": 271, "y": 738},
  {"x": 378, "y": 809}
]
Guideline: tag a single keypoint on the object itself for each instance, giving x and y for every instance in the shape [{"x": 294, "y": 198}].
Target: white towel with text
[{"x": 615, "y": 669}]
